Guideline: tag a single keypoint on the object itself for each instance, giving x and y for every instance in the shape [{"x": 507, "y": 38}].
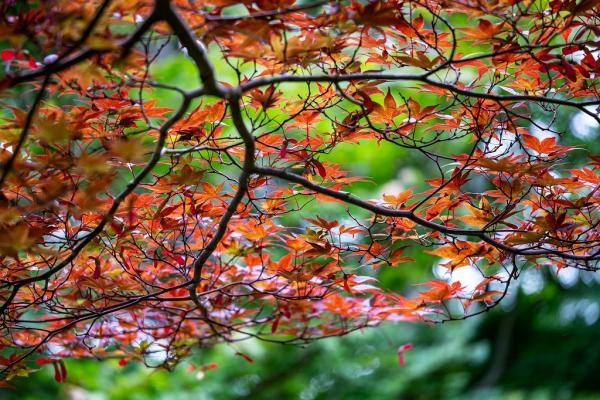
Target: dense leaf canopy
[{"x": 132, "y": 229}]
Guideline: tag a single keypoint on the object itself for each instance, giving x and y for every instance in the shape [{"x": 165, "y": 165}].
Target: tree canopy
[{"x": 132, "y": 229}]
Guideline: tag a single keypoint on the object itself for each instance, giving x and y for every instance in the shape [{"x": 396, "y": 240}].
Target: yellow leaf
[
  {"x": 129, "y": 149},
  {"x": 101, "y": 43},
  {"x": 444, "y": 252},
  {"x": 14, "y": 239},
  {"x": 54, "y": 131}
]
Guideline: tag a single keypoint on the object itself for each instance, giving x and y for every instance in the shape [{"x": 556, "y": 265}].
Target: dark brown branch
[
  {"x": 265, "y": 14},
  {"x": 270, "y": 80},
  {"x": 194, "y": 47},
  {"x": 6, "y": 168},
  {"x": 64, "y": 63},
  {"x": 248, "y": 167},
  {"x": 379, "y": 210}
]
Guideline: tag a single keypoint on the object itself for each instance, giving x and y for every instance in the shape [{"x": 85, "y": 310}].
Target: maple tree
[{"x": 128, "y": 228}]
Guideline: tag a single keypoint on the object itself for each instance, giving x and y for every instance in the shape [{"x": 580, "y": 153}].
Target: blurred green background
[{"x": 543, "y": 342}]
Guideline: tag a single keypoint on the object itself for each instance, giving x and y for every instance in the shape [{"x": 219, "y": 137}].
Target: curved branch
[
  {"x": 25, "y": 131},
  {"x": 379, "y": 210},
  {"x": 65, "y": 62},
  {"x": 194, "y": 47},
  {"x": 270, "y": 80},
  {"x": 247, "y": 168}
]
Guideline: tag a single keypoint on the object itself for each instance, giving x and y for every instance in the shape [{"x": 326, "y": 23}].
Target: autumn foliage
[{"x": 130, "y": 229}]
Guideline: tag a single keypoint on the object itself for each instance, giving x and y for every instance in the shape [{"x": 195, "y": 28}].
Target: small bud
[{"x": 50, "y": 58}]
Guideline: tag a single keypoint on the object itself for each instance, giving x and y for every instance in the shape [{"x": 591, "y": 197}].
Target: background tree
[{"x": 134, "y": 230}]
